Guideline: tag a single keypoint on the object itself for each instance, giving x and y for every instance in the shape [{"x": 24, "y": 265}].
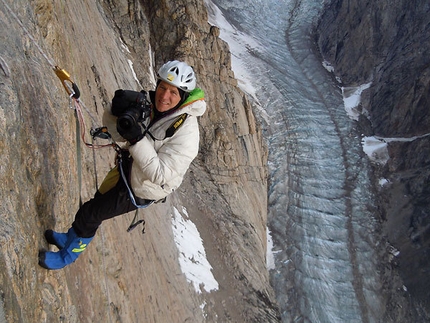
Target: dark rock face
[
  {"x": 384, "y": 43},
  {"x": 387, "y": 43}
]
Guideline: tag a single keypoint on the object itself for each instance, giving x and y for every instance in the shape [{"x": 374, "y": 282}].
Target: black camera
[{"x": 131, "y": 108}]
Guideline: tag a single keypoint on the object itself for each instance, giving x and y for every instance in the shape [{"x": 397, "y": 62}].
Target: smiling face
[{"x": 166, "y": 97}]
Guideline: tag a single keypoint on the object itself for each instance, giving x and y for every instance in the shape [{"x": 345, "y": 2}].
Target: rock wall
[
  {"x": 124, "y": 277},
  {"x": 386, "y": 42}
]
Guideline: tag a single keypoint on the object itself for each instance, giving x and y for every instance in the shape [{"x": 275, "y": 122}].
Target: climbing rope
[
  {"x": 50, "y": 62},
  {"x": 75, "y": 103},
  {"x": 70, "y": 87}
]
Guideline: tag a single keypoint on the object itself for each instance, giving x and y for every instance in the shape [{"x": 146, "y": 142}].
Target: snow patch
[
  {"x": 192, "y": 255},
  {"x": 376, "y": 149},
  {"x": 130, "y": 63},
  {"x": 124, "y": 46},
  {"x": 392, "y": 250},
  {"x": 151, "y": 67},
  {"x": 383, "y": 182},
  {"x": 328, "y": 66},
  {"x": 239, "y": 44},
  {"x": 270, "y": 257},
  {"x": 352, "y": 99}
]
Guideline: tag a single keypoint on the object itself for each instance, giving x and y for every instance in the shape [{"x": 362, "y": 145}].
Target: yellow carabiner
[{"x": 70, "y": 87}]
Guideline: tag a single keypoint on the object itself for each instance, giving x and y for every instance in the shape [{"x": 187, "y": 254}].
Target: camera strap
[{"x": 176, "y": 124}]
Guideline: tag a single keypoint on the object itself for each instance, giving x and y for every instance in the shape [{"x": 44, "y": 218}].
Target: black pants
[{"x": 101, "y": 207}]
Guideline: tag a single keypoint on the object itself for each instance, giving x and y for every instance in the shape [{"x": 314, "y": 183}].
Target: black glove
[{"x": 133, "y": 134}]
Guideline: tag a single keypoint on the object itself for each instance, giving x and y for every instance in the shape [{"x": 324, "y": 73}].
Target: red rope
[{"x": 81, "y": 120}]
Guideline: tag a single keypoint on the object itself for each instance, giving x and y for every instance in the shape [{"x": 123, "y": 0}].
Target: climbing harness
[
  {"x": 123, "y": 174},
  {"x": 135, "y": 223}
]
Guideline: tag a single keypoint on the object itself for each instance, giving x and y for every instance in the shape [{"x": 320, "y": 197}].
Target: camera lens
[{"x": 126, "y": 122}]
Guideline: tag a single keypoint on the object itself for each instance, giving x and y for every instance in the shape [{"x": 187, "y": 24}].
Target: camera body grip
[{"x": 125, "y": 99}]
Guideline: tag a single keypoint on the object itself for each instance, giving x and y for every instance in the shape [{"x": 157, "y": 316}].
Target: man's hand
[{"x": 132, "y": 134}]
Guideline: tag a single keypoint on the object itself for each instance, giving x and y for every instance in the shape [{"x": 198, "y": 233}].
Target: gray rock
[{"x": 385, "y": 42}]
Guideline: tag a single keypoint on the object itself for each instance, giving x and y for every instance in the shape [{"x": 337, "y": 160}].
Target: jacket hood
[{"x": 195, "y": 104}]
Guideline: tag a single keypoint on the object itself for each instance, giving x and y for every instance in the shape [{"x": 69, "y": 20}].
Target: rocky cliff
[
  {"x": 386, "y": 43},
  {"x": 45, "y": 170}
]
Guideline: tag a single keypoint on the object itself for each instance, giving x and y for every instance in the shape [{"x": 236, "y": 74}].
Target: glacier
[{"x": 321, "y": 209}]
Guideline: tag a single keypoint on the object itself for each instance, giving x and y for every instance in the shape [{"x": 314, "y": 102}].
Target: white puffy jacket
[{"x": 159, "y": 165}]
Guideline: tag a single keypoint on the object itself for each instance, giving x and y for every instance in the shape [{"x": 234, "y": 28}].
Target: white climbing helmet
[{"x": 178, "y": 74}]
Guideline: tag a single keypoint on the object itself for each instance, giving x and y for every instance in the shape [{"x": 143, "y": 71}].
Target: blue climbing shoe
[
  {"x": 67, "y": 255},
  {"x": 57, "y": 239}
]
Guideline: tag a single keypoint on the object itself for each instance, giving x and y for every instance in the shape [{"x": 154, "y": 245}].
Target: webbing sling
[{"x": 130, "y": 192}]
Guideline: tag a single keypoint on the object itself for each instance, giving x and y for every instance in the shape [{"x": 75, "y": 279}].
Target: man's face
[{"x": 166, "y": 97}]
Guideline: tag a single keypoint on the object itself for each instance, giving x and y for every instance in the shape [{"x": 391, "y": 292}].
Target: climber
[{"x": 159, "y": 137}]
